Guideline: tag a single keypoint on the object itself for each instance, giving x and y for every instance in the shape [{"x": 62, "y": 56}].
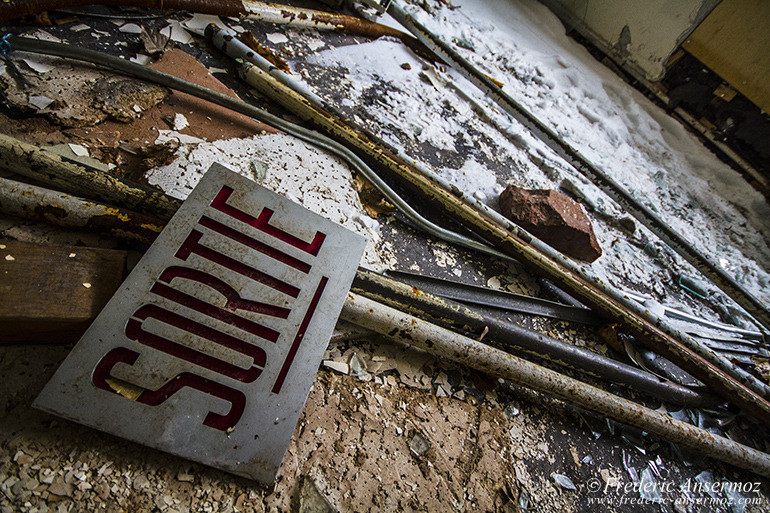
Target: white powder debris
[
  {"x": 180, "y": 121},
  {"x": 176, "y": 32},
  {"x": 40, "y": 102},
  {"x": 78, "y": 149},
  {"x": 296, "y": 170},
  {"x": 165, "y": 136},
  {"x": 277, "y": 38},
  {"x": 340, "y": 367},
  {"x": 141, "y": 58},
  {"x": 42, "y": 35},
  {"x": 39, "y": 64},
  {"x": 131, "y": 28}
]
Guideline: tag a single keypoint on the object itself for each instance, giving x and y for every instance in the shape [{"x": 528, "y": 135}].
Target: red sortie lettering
[
  {"x": 192, "y": 245},
  {"x": 234, "y": 300},
  {"x": 275, "y": 254},
  {"x": 262, "y": 223},
  {"x": 237, "y": 400},
  {"x": 134, "y": 331}
]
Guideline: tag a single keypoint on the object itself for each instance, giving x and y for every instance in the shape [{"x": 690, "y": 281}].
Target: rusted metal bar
[
  {"x": 496, "y": 299},
  {"x": 32, "y": 202},
  {"x": 53, "y": 170},
  {"x": 228, "y": 42},
  {"x": 753, "y": 305},
  {"x": 404, "y": 296},
  {"x": 509, "y": 239},
  {"x": 248, "y": 9},
  {"x": 721, "y": 376},
  {"x": 442, "y": 342}
]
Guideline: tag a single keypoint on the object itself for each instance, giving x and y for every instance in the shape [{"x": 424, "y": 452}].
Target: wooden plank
[
  {"x": 52, "y": 293},
  {"x": 734, "y": 41}
]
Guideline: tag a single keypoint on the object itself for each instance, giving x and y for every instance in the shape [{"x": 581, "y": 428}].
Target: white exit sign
[{"x": 210, "y": 346}]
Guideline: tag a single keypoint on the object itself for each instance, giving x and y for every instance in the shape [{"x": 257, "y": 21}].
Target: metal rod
[
  {"x": 439, "y": 341},
  {"x": 32, "y": 202},
  {"x": 227, "y": 41},
  {"x": 497, "y": 299},
  {"x": 480, "y": 325},
  {"x": 684, "y": 316},
  {"x": 756, "y": 308}
]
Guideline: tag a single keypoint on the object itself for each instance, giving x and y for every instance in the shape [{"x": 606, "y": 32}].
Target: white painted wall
[{"x": 638, "y": 34}]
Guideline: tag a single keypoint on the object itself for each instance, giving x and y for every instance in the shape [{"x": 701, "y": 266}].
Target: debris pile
[{"x": 438, "y": 394}]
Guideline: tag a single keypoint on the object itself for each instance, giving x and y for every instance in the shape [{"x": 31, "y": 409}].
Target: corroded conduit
[
  {"x": 758, "y": 309},
  {"x": 297, "y": 17},
  {"x": 69, "y": 176},
  {"x": 32, "y": 202},
  {"x": 436, "y": 340},
  {"x": 512, "y": 243}
]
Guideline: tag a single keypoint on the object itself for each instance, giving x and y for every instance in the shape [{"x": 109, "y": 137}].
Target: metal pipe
[
  {"x": 288, "y": 15},
  {"x": 756, "y": 308},
  {"x": 227, "y": 41},
  {"x": 478, "y": 324},
  {"x": 684, "y": 316},
  {"x": 496, "y": 299},
  {"x": 32, "y": 202},
  {"x": 56, "y": 171},
  {"x": 439, "y": 341}
]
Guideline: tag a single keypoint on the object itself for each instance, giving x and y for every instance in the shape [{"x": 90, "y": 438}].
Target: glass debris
[{"x": 563, "y": 481}]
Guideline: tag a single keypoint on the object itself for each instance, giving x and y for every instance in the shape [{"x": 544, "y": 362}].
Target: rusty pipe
[
  {"x": 297, "y": 17},
  {"x": 51, "y": 169},
  {"x": 458, "y": 348},
  {"x": 32, "y": 202}
]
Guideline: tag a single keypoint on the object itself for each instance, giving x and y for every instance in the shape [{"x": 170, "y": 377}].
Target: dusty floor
[
  {"x": 377, "y": 445},
  {"x": 395, "y": 430}
]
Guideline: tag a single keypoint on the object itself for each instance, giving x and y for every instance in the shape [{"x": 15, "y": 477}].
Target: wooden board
[
  {"x": 734, "y": 41},
  {"x": 52, "y": 293}
]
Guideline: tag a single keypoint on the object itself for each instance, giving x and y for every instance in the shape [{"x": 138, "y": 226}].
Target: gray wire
[{"x": 151, "y": 75}]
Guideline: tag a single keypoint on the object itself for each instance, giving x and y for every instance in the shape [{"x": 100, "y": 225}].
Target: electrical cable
[{"x": 148, "y": 74}]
